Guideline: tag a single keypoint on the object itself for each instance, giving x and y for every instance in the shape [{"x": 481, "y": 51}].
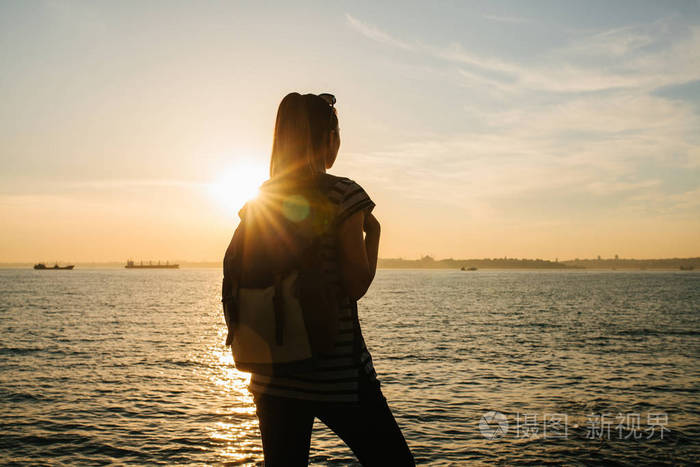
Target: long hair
[{"x": 302, "y": 130}]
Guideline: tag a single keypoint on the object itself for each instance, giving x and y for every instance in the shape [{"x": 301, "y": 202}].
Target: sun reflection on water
[
  {"x": 238, "y": 437},
  {"x": 229, "y": 377}
]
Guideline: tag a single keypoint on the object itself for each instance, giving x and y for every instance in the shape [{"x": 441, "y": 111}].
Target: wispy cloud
[
  {"x": 633, "y": 65},
  {"x": 376, "y": 34},
  {"x": 507, "y": 19},
  {"x": 615, "y": 42},
  {"x": 641, "y": 56},
  {"x": 127, "y": 183},
  {"x": 22, "y": 186},
  {"x": 577, "y": 147}
]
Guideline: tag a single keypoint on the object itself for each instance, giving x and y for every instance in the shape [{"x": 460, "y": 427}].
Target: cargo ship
[
  {"x": 42, "y": 266},
  {"x": 131, "y": 265}
]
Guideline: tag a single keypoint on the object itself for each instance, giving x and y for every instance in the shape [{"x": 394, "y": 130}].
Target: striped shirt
[{"x": 336, "y": 379}]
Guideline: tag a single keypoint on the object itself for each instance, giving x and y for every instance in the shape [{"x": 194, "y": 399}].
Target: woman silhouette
[{"x": 343, "y": 391}]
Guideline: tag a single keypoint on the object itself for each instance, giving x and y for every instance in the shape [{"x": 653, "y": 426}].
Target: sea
[{"x": 488, "y": 367}]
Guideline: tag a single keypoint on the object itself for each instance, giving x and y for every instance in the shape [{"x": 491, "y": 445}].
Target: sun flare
[{"x": 237, "y": 184}]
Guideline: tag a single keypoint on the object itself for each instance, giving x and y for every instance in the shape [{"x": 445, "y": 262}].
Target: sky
[{"x": 539, "y": 129}]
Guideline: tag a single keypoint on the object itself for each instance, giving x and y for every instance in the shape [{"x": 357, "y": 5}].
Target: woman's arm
[
  {"x": 372, "y": 231},
  {"x": 358, "y": 253}
]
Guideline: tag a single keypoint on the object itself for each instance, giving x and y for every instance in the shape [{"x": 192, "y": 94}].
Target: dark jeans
[{"x": 369, "y": 430}]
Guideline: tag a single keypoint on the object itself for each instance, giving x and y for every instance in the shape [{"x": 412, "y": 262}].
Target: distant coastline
[{"x": 427, "y": 262}]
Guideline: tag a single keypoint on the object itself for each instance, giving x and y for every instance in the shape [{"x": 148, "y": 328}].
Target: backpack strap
[
  {"x": 278, "y": 304},
  {"x": 231, "y": 283}
]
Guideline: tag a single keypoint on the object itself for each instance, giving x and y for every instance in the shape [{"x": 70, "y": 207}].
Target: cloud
[
  {"x": 22, "y": 186},
  {"x": 592, "y": 148},
  {"x": 507, "y": 19},
  {"x": 641, "y": 56},
  {"x": 376, "y": 34},
  {"x": 571, "y": 131},
  {"x": 622, "y": 63},
  {"x": 138, "y": 183},
  {"x": 615, "y": 42}
]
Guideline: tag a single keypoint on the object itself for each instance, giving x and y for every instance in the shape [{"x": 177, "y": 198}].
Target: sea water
[{"x": 489, "y": 367}]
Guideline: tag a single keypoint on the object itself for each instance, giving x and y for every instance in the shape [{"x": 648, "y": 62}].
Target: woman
[{"x": 343, "y": 392}]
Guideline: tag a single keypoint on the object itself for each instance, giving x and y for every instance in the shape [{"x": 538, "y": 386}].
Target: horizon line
[{"x": 396, "y": 258}]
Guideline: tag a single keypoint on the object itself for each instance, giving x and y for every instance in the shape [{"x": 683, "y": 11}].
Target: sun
[{"x": 237, "y": 184}]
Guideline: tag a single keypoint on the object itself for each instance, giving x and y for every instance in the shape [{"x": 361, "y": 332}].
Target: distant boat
[
  {"x": 470, "y": 268},
  {"x": 42, "y": 266},
  {"x": 131, "y": 265},
  {"x": 687, "y": 268}
]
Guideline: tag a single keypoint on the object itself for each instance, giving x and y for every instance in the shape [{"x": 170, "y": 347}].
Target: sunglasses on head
[{"x": 329, "y": 98}]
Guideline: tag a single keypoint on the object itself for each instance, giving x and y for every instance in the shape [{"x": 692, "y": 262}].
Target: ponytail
[{"x": 302, "y": 127}]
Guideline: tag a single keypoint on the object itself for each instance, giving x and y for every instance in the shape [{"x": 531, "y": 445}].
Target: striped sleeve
[{"x": 354, "y": 199}]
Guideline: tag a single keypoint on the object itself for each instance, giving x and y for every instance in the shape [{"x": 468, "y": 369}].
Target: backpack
[{"x": 279, "y": 310}]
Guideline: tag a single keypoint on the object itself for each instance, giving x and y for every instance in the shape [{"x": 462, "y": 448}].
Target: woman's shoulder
[
  {"x": 340, "y": 185},
  {"x": 348, "y": 194}
]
